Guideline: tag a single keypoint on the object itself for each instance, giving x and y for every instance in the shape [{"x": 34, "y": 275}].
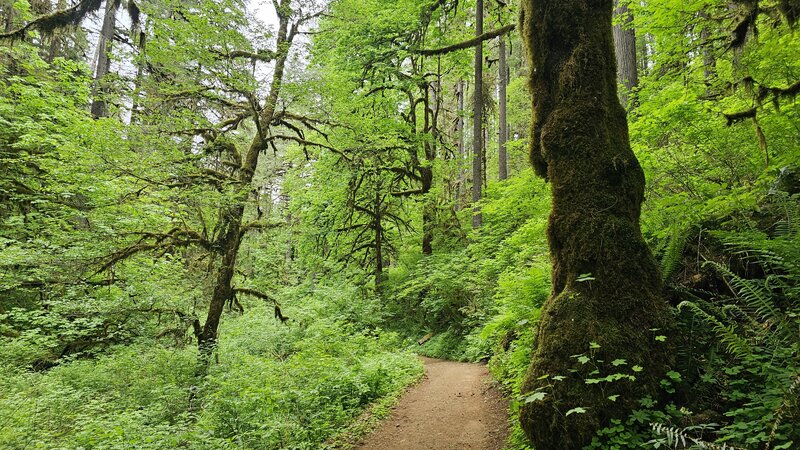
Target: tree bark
[
  {"x": 140, "y": 62},
  {"x": 606, "y": 285},
  {"x": 625, "y": 49},
  {"x": 57, "y": 39},
  {"x": 462, "y": 151},
  {"x": 9, "y": 16},
  {"x": 709, "y": 60},
  {"x": 477, "y": 121},
  {"x": 378, "y": 227},
  {"x": 103, "y": 66},
  {"x": 503, "y": 121},
  {"x": 426, "y": 171}
]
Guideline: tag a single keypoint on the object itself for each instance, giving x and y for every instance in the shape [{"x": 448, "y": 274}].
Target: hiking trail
[{"x": 453, "y": 407}]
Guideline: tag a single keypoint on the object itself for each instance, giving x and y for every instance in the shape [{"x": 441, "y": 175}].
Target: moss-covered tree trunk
[{"x": 580, "y": 144}]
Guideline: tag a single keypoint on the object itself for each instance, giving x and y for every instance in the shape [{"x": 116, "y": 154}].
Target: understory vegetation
[{"x": 225, "y": 225}]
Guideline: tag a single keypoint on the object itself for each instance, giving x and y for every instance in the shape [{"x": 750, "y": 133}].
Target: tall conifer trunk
[
  {"x": 462, "y": 151},
  {"x": 103, "y": 59},
  {"x": 426, "y": 171},
  {"x": 606, "y": 286},
  {"x": 502, "y": 108},
  {"x": 477, "y": 121},
  {"x": 625, "y": 50}
]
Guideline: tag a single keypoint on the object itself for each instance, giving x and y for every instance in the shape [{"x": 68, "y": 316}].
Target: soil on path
[{"x": 452, "y": 408}]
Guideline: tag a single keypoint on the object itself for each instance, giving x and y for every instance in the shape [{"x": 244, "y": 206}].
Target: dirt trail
[{"x": 452, "y": 408}]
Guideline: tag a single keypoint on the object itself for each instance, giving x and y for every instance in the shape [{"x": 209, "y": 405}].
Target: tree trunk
[
  {"x": 502, "y": 137},
  {"x": 707, "y": 44},
  {"x": 606, "y": 286},
  {"x": 625, "y": 47},
  {"x": 484, "y": 178},
  {"x": 378, "y": 226},
  {"x": 462, "y": 151},
  {"x": 229, "y": 241},
  {"x": 477, "y": 120},
  {"x": 644, "y": 54},
  {"x": 140, "y": 63},
  {"x": 426, "y": 173},
  {"x": 428, "y": 211},
  {"x": 9, "y": 16},
  {"x": 103, "y": 66},
  {"x": 57, "y": 39}
]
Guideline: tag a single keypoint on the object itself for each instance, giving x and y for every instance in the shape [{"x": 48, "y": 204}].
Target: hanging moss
[
  {"x": 580, "y": 144},
  {"x": 60, "y": 18}
]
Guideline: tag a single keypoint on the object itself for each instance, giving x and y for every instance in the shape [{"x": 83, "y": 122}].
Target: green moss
[{"x": 580, "y": 144}]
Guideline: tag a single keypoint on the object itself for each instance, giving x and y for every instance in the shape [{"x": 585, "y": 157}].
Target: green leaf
[
  {"x": 578, "y": 410},
  {"x": 534, "y": 397},
  {"x": 674, "y": 375}
]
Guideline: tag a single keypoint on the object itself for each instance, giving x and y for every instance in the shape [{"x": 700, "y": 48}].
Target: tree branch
[
  {"x": 468, "y": 43},
  {"x": 56, "y": 19},
  {"x": 258, "y": 294},
  {"x": 260, "y": 55}
]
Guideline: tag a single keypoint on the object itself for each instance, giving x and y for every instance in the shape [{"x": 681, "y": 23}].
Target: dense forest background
[{"x": 227, "y": 225}]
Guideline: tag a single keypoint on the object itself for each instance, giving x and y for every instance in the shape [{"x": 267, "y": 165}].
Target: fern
[
  {"x": 790, "y": 222},
  {"x": 673, "y": 252},
  {"x": 679, "y": 438},
  {"x": 754, "y": 293},
  {"x": 734, "y": 343},
  {"x": 760, "y": 327}
]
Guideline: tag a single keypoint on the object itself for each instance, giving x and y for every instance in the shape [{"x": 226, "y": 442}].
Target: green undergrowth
[{"x": 274, "y": 386}]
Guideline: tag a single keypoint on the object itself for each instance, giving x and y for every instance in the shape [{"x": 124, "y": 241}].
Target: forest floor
[{"x": 453, "y": 407}]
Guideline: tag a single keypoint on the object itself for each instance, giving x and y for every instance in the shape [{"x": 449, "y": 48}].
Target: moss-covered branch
[
  {"x": 468, "y": 43},
  {"x": 57, "y": 19},
  {"x": 260, "y": 295}
]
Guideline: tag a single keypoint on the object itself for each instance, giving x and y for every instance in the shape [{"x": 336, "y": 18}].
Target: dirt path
[{"x": 452, "y": 408}]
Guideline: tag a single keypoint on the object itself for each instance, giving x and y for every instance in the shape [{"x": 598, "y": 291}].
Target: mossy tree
[{"x": 607, "y": 293}]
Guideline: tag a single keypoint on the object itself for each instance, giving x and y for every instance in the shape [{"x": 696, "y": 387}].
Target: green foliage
[
  {"x": 276, "y": 386},
  {"x": 741, "y": 383},
  {"x": 492, "y": 285},
  {"x": 758, "y": 327}
]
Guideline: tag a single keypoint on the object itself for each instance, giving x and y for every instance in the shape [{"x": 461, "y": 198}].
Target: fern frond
[
  {"x": 737, "y": 312},
  {"x": 754, "y": 293},
  {"x": 790, "y": 223},
  {"x": 734, "y": 344},
  {"x": 671, "y": 259},
  {"x": 680, "y": 438}
]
